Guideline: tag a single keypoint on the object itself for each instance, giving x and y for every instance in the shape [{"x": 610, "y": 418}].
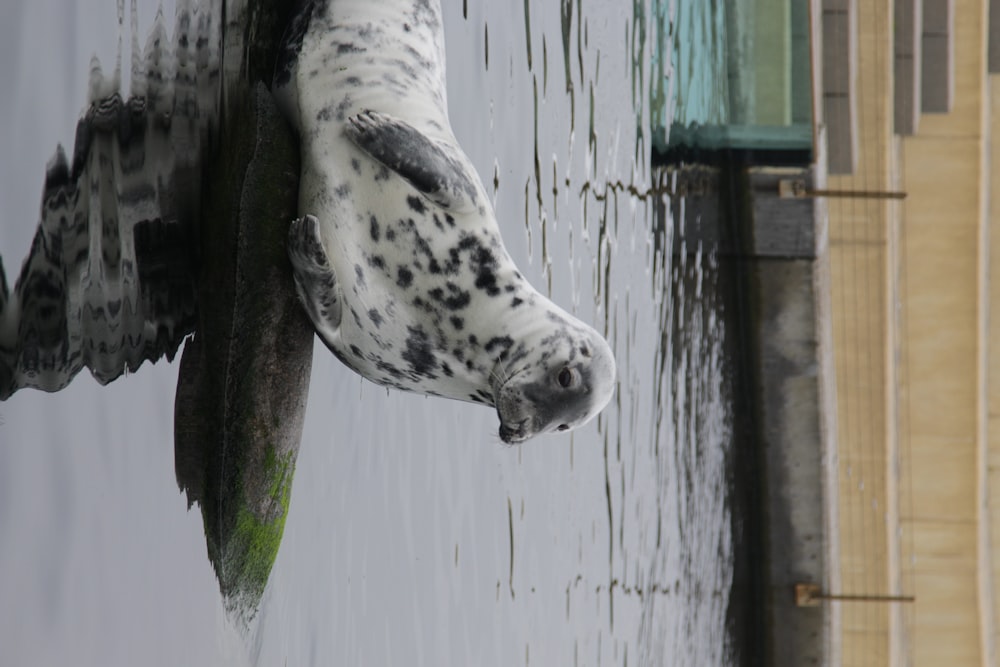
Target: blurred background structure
[
  {"x": 910, "y": 106},
  {"x": 870, "y": 248}
]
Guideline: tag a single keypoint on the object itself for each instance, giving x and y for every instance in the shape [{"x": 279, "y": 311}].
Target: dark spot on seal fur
[
  {"x": 487, "y": 280},
  {"x": 585, "y": 351},
  {"x": 558, "y": 319},
  {"x": 506, "y": 342},
  {"x": 457, "y": 322},
  {"x": 515, "y": 302},
  {"x": 473, "y": 340},
  {"x": 415, "y": 203},
  {"x": 386, "y": 367},
  {"x": 356, "y": 351},
  {"x": 520, "y": 352},
  {"x": 376, "y": 262},
  {"x": 400, "y": 85},
  {"x": 349, "y": 48},
  {"x": 419, "y": 353},
  {"x": 423, "y": 305},
  {"x": 344, "y": 105},
  {"x": 356, "y": 165},
  {"x": 342, "y": 191},
  {"x": 454, "y": 262},
  {"x": 404, "y": 277},
  {"x": 359, "y": 274},
  {"x": 475, "y": 399},
  {"x": 446, "y": 369},
  {"x": 373, "y": 228},
  {"x": 457, "y": 298},
  {"x": 390, "y": 234},
  {"x": 422, "y": 246},
  {"x": 375, "y": 317}
]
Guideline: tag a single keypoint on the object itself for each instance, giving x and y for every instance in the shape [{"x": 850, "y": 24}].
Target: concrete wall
[{"x": 785, "y": 282}]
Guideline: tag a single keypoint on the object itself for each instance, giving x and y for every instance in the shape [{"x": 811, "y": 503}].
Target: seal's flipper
[
  {"x": 315, "y": 280},
  {"x": 418, "y": 159}
]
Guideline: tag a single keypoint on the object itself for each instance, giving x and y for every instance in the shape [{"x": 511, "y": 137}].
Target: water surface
[{"x": 414, "y": 535}]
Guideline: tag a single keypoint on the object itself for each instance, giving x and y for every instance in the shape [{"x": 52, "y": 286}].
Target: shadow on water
[
  {"x": 711, "y": 202},
  {"x": 160, "y": 228}
]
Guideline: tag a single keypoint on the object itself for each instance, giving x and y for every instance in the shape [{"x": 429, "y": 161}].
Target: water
[{"x": 414, "y": 536}]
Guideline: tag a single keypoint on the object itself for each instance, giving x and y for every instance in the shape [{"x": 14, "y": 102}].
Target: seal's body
[{"x": 398, "y": 258}]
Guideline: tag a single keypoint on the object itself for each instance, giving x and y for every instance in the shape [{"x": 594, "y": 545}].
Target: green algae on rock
[{"x": 244, "y": 376}]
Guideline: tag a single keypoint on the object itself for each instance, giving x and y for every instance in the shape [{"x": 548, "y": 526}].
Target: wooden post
[{"x": 811, "y": 595}]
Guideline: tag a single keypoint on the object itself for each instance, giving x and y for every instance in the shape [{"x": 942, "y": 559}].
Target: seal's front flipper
[
  {"x": 418, "y": 159},
  {"x": 315, "y": 280}
]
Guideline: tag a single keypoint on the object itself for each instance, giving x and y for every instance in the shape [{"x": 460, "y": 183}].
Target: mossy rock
[{"x": 244, "y": 376}]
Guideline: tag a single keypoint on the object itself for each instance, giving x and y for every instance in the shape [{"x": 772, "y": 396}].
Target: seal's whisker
[{"x": 499, "y": 375}]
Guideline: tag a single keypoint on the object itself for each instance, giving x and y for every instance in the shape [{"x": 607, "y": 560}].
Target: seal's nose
[
  {"x": 507, "y": 434},
  {"x": 519, "y": 433}
]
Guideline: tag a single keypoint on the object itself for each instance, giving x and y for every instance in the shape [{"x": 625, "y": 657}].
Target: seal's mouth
[
  {"x": 516, "y": 434},
  {"x": 514, "y": 427}
]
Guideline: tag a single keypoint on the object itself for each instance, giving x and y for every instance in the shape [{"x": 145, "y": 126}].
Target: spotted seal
[{"x": 397, "y": 256}]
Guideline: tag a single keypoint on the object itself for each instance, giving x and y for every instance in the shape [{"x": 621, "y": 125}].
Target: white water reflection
[{"x": 414, "y": 536}]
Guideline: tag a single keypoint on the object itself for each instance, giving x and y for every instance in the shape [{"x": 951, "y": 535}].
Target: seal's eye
[
  {"x": 563, "y": 427},
  {"x": 565, "y": 378}
]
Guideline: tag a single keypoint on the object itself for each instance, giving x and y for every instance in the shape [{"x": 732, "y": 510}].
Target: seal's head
[{"x": 557, "y": 384}]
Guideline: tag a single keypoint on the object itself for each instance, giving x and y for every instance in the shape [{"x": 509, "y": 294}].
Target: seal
[{"x": 397, "y": 255}]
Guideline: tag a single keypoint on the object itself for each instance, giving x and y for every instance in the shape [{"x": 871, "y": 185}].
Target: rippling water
[{"x": 414, "y": 536}]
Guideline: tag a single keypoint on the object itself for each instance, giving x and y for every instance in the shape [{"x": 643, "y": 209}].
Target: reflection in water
[
  {"x": 622, "y": 555},
  {"x": 701, "y": 74},
  {"x": 665, "y": 533},
  {"x": 693, "y": 434},
  {"x": 161, "y": 225},
  {"x": 109, "y": 281}
]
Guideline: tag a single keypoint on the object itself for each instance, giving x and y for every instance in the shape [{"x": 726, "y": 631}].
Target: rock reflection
[
  {"x": 160, "y": 229},
  {"x": 109, "y": 280}
]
